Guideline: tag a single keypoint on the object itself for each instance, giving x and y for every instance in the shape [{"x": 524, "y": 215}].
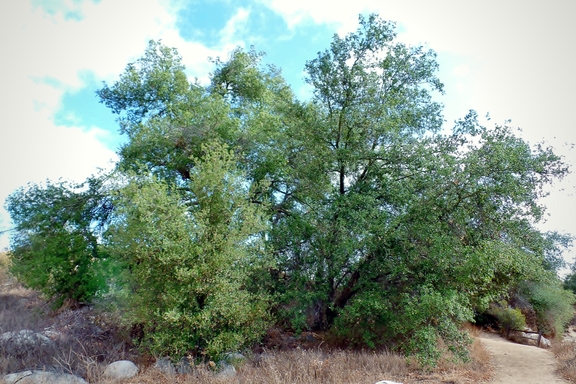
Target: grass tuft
[{"x": 565, "y": 352}]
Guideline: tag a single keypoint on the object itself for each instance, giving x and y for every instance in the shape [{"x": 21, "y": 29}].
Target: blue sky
[{"x": 513, "y": 59}]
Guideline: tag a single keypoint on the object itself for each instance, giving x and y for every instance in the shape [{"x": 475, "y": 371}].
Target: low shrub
[
  {"x": 552, "y": 304},
  {"x": 508, "y": 318}
]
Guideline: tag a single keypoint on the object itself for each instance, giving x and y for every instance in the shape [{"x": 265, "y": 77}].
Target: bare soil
[{"x": 520, "y": 364}]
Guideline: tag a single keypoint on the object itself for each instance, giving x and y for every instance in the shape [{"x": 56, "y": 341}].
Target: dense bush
[
  {"x": 551, "y": 302},
  {"x": 508, "y": 318},
  {"x": 188, "y": 258},
  {"x": 55, "y": 248}
]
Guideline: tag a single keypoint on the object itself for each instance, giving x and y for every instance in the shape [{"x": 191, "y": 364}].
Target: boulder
[
  {"x": 234, "y": 358},
  {"x": 225, "y": 370},
  {"x": 184, "y": 366},
  {"x": 22, "y": 342},
  {"x": 568, "y": 339},
  {"x": 42, "y": 377},
  {"x": 52, "y": 335},
  {"x": 25, "y": 337},
  {"x": 165, "y": 366},
  {"x": 533, "y": 338},
  {"x": 545, "y": 342},
  {"x": 122, "y": 369}
]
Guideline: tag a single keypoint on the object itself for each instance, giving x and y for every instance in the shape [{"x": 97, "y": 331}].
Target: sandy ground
[{"x": 520, "y": 364}]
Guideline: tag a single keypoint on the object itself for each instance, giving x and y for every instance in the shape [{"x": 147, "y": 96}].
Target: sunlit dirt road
[{"x": 520, "y": 364}]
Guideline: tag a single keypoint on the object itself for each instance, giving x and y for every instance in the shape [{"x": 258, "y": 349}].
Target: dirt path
[{"x": 520, "y": 364}]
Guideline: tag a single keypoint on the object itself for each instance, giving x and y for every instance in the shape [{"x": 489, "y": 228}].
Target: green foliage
[
  {"x": 386, "y": 214},
  {"x": 570, "y": 279},
  {"x": 153, "y": 86},
  {"x": 509, "y": 318},
  {"x": 551, "y": 302},
  {"x": 420, "y": 322},
  {"x": 55, "y": 249},
  {"x": 188, "y": 257},
  {"x": 352, "y": 212},
  {"x": 554, "y": 244},
  {"x": 375, "y": 214},
  {"x": 570, "y": 282}
]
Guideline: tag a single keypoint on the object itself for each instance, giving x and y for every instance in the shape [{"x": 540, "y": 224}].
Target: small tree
[
  {"x": 508, "y": 318},
  {"x": 55, "y": 247},
  {"x": 189, "y": 256}
]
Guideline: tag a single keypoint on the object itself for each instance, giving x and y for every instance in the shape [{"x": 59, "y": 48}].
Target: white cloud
[
  {"x": 296, "y": 12},
  {"x": 195, "y": 56},
  {"x": 461, "y": 70},
  {"x": 235, "y": 26}
]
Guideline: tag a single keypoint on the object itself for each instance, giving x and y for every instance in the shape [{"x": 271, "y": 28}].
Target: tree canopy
[{"x": 235, "y": 204}]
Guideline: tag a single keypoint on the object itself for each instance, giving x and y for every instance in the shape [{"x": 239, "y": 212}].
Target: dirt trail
[{"x": 520, "y": 364}]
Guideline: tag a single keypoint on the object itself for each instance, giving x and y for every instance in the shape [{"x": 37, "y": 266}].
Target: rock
[
  {"x": 568, "y": 339},
  {"x": 225, "y": 370},
  {"x": 533, "y": 337},
  {"x": 23, "y": 342},
  {"x": 122, "y": 369},
  {"x": 545, "y": 342},
  {"x": 25, "y": 336},
  {"x": 42, "y": 377},
  {"x": 570, "y": 335},
  {"x": 310, "y": 337},
  {"x": 52, "y": 335},
  {"x": 234, "y": 358},
  {"x": 387, "y": 382},
  {"x": 183, "y": 367},
  {"x": 164, "y": 365}
]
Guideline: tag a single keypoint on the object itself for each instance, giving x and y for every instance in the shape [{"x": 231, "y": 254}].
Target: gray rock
[
  {"x": 225, "y": 370},
  {"x": 184, "y": 366},
  {"x": 25, "y": 337},
  {"x": 122, "y": 369},
  {"x": 234, "y": 358},
  {"x": 42, "y": 377},
  {"x": 387, "y": 382},
  {"x": 22, "y": 342},
  {"x": 544, "y": 342},
  {"x": 568, "y": 339},
  {"x": 165, "y": 366},
  {"x": 52, "y": 335}
]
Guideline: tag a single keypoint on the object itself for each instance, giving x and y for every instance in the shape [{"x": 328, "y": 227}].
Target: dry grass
[
  {"x": 565, "y": 353},
  {"x": 82, "y": 340},
  {"x": 477, "y": 370},
  {"x": 89, "y": 340},
  {"x": 298, "y": 367},
  {"x": 331, "y": 367},
  {"x": 20, "y": 308},
  {"x": 5, "y": 279}
]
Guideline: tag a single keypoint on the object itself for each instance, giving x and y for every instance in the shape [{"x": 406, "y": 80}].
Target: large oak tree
[{"x": 382, "y": 227}]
